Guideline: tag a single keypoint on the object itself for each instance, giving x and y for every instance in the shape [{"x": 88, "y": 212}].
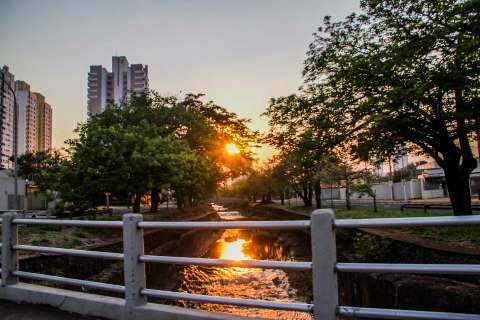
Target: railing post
[
  {"x": 324, "y": 258},
  {"x": 133, "y": 268},
  {"x": 9, "y": 255}
]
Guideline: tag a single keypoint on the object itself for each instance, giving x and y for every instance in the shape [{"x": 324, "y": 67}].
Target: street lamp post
[
  {"x": 15, "y": 144},
  {"x": 107, "y": 195}
]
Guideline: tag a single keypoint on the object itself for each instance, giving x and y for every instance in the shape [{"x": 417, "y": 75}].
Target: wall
[
  {"x": 7, "y": 191},
  {"x": 407, "y": 190},
  {"x": 333, "y": 193},
  {"x": 401, "y": 190},
  {"x": 36, "y": 201},
  {"x": 383, "y": 191}
]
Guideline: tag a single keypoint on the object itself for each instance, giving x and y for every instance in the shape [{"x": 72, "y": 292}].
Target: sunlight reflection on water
[
  {"x": 253, "y": 283},
  {"x": 233, "y": 250}
]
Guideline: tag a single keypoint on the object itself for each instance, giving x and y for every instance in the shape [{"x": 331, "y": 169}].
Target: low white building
[
  {"x": 7, "y": 191},
  {"x": 434, "y": 184}
]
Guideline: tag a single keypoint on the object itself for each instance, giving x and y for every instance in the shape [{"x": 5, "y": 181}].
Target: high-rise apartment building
[
  {"x": 7, "y": 106},
  {"x": 115, "y": 87},
  {"x": 34, "y": 119},
  {"x": 139, "y": 79},
  {"x": 97, "y": 89},
  {"x": 27, "y": 118},
  {"x": 43, "y": 124}
]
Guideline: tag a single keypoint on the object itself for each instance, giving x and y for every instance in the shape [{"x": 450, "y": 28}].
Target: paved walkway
[{"x": 14, "y": 311}]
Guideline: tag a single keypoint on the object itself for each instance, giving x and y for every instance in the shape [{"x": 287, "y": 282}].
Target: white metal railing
[{"x": 323, "y": 265}]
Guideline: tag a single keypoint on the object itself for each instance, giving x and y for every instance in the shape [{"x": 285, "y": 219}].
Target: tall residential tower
[
  {"x": 7, "y": 107},
  {"x": 115, "y": 87},
  {"x": 34, "y": 119},
  {"x": 27, "y": 118},
  {"x": 43, "y": 123}
]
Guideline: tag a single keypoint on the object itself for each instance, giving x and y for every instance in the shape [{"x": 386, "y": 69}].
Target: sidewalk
[{"x": 23, "y": 311}]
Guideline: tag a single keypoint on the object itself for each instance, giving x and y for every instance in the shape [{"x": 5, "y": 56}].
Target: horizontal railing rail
[
  {"x": 70, "y": 223},
  {"x": 72, "y": 252},
  {"x": 289, "y": 306},
  {"x": 295, "y": 224},
  {"x": 407, "y": 222},
  {"x": 465, "y": 269},
  {"x": 70, "y": 281},
  {"x": 378, "y": 313},
  {"x": 287, "y": 265},
  {"x": 323, "y": 265}
]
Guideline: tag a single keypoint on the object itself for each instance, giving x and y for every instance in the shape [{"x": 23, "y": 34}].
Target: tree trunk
[
  {"x": 318, "y": 194},
  {"x": 391, "y": 177},
  {"x": 307, "y": 201},
  {"x": 136, "y": 203},
  {"x": 189, "y": 199},
  {"x": 269, "y": 197},
  {"x": 154, "y": 200},
  {"x": 282, "y": 198},
  {"x": 458, "y": 186},
  {"x": 179, "y": 202},
  {"x": 310, "y": 194},
  {"x": 307, "y": 194},
  {"x": 347, "y": 194}
]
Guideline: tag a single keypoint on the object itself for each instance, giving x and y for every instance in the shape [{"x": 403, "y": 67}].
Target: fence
[{"x": 135, "y": 306}]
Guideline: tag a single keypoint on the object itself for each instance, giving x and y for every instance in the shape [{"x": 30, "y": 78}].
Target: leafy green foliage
[
  {"x": 402, "y": 76},
  {"x": 362, "y": 188},
  {"x": 150, "y": 144},
  {"x": 373, "y": 248},
  {"x": 407, "y": 173}
]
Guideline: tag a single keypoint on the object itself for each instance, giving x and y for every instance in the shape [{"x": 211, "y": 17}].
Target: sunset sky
[{"x": 239, "y": 53}]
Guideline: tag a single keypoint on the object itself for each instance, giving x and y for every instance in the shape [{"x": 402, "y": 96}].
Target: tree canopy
[
  {"x": 403, "y": 75},
  {"x": 145, "y": 146}
]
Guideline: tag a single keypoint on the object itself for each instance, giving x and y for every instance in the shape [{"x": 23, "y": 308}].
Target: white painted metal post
[
  {"x": 133, "y": 268},
  {"x": 324, "y": 257},
  {"x": 9, "y": 255}
]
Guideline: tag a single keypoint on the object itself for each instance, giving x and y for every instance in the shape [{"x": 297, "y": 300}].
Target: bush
[{"x": 372, "y": 247}]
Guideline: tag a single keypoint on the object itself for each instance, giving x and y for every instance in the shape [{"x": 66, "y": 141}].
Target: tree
[
  {"x": 363, "y": 186},
  {"x": 144, "y": 146},
  {"x": 45, "y": 169},
  {"x": 404, "y": 73}
]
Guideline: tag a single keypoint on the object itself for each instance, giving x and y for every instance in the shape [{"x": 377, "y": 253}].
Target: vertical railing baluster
[
  {"x": 324, "y": 257},
  {"x": 9, "y": 255},
  {"x": 133, "y": 268}
]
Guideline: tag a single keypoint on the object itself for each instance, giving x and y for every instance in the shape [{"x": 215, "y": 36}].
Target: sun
[{"x": 232, "y": 148}]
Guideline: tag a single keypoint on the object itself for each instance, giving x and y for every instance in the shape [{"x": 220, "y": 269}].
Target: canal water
[{"x": 250, "y": 283}]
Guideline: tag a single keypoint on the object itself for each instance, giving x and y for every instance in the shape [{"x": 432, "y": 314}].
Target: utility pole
[{"x": 15, "y": 138}]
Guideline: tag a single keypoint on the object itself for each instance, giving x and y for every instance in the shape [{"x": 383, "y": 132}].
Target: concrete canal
[{"x": 252, "y": 283}]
